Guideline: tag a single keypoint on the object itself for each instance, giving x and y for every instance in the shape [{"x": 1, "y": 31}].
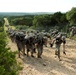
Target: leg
[
  {"x": 32, "y": 53},
  {"x": 40, "y": 51},
  {"x": 23, "y": 49},
  {"x": 27, "y": 47},
  {"x": 59, "y": 55},
  {"x": 19, "y": 49},
  {"x": 34, "y": 50},
  {"x": 38, "y": 55},
  {"x": 64, "y": 49},
  {"x": 18, "y": 52},
  {"x": 57, "y": 52}
]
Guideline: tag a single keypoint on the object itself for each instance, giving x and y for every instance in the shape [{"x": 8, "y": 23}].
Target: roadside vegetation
[{"x": 8, "y": 62}]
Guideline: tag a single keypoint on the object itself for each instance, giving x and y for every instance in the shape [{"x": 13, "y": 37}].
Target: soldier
[
  {"x": 30, "y": 45},
  {"x": 19, "y": 39},
  {"x": 58, "y": 41},
  {"x": 39, "y": 43},
  {"x": 33, "y": 35},
  {"x": 73, "y": 31}
]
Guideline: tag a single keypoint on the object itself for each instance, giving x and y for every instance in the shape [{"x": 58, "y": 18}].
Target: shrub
[{"x": 8, "y": 63}]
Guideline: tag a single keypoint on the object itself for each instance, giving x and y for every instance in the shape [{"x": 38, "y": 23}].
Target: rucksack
[
  {"x": 20, "y": 36},
  {"x": 58, "y": 40}
]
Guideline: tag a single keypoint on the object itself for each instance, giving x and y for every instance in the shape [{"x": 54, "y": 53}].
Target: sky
[{"x": 36, "y": 5}]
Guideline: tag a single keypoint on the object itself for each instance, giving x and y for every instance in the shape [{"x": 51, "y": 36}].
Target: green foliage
[
  {"x": 21, "y": 20},
  {"x": 63, "y": 19},
  {"x": 1, "y": 29},
  {"x": 57, "y": 16},
  {"x": 1, "y": 22},
  {"x": 45, "y": 21},
  {"x": 42, "y": 21},
  {"x": 21, "y": 27},
  {"x": 57, "y": 19},
  {"x": 60, "y": 18},
  {"x": 71, "y": 16},
  {"x": 8, "y": 64}
]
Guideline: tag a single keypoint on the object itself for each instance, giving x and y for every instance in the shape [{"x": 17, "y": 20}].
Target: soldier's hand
[
  {"x": 64, "y": 53},
  {"x": 51, "y": 45}
]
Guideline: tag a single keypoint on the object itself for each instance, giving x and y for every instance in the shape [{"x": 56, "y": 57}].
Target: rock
[{"x": 44, "y": 64}]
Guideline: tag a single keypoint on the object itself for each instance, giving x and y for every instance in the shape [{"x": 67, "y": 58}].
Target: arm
[{"x": 52, "y": 42}]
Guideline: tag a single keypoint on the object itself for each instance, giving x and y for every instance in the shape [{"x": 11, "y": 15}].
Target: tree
[
  {"x": 21, "y": 20},
  {"x": 64, "y": 19},
  {"x": 57, "y": 16},
  {"x": 1, "y": 22},
  {"x": 42, "y": 20},
  {"x": 71, "y": 16}
]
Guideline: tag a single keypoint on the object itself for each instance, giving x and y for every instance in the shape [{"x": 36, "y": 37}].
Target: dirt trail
[{"x": 49, "y": 65}]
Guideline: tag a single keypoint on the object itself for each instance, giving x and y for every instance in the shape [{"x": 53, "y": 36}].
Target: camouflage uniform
[
  {"x": 40, "y": 43},
  {"x": 73, "y": 31},
  {"x": 20, "y": 42},
  {"x": 59, "y": 40},
  {"x": 30, "y": 45}
]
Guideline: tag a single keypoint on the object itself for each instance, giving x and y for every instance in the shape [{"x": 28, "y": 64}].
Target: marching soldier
[{"x": 58, "y": 41}]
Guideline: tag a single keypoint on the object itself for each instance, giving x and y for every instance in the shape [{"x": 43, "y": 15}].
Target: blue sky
[{"x": 36, "y": 5}]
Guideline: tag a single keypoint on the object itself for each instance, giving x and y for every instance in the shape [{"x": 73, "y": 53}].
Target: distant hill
[{"x": 22, "y": 13}]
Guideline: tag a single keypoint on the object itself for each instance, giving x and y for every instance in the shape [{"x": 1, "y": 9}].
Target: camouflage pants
[
  {"x": 20, "y": 45},
  {"x": 57, "y": 51},
  {"x": 40, "y": 50},
  {"x": 30, "y": 48}
]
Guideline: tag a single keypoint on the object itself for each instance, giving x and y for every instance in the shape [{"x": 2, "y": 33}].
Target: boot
[{"x": 56, "y": 52}]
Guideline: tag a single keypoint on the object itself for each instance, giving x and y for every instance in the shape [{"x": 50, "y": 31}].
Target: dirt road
[{"x": 49, "y": 65}]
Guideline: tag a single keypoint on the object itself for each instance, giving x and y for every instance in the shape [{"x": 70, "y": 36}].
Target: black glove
[
  {"x": 64, "y": 53},
  {"x": 51, "y": 45}
]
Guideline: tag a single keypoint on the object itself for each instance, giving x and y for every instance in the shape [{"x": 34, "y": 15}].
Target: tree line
[{"x": 60, "y": 20}]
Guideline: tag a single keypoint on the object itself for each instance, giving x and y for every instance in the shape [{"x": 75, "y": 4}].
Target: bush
[
  {"x": 20, "y": 27},
  {"x": 8, "y": 64}
]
